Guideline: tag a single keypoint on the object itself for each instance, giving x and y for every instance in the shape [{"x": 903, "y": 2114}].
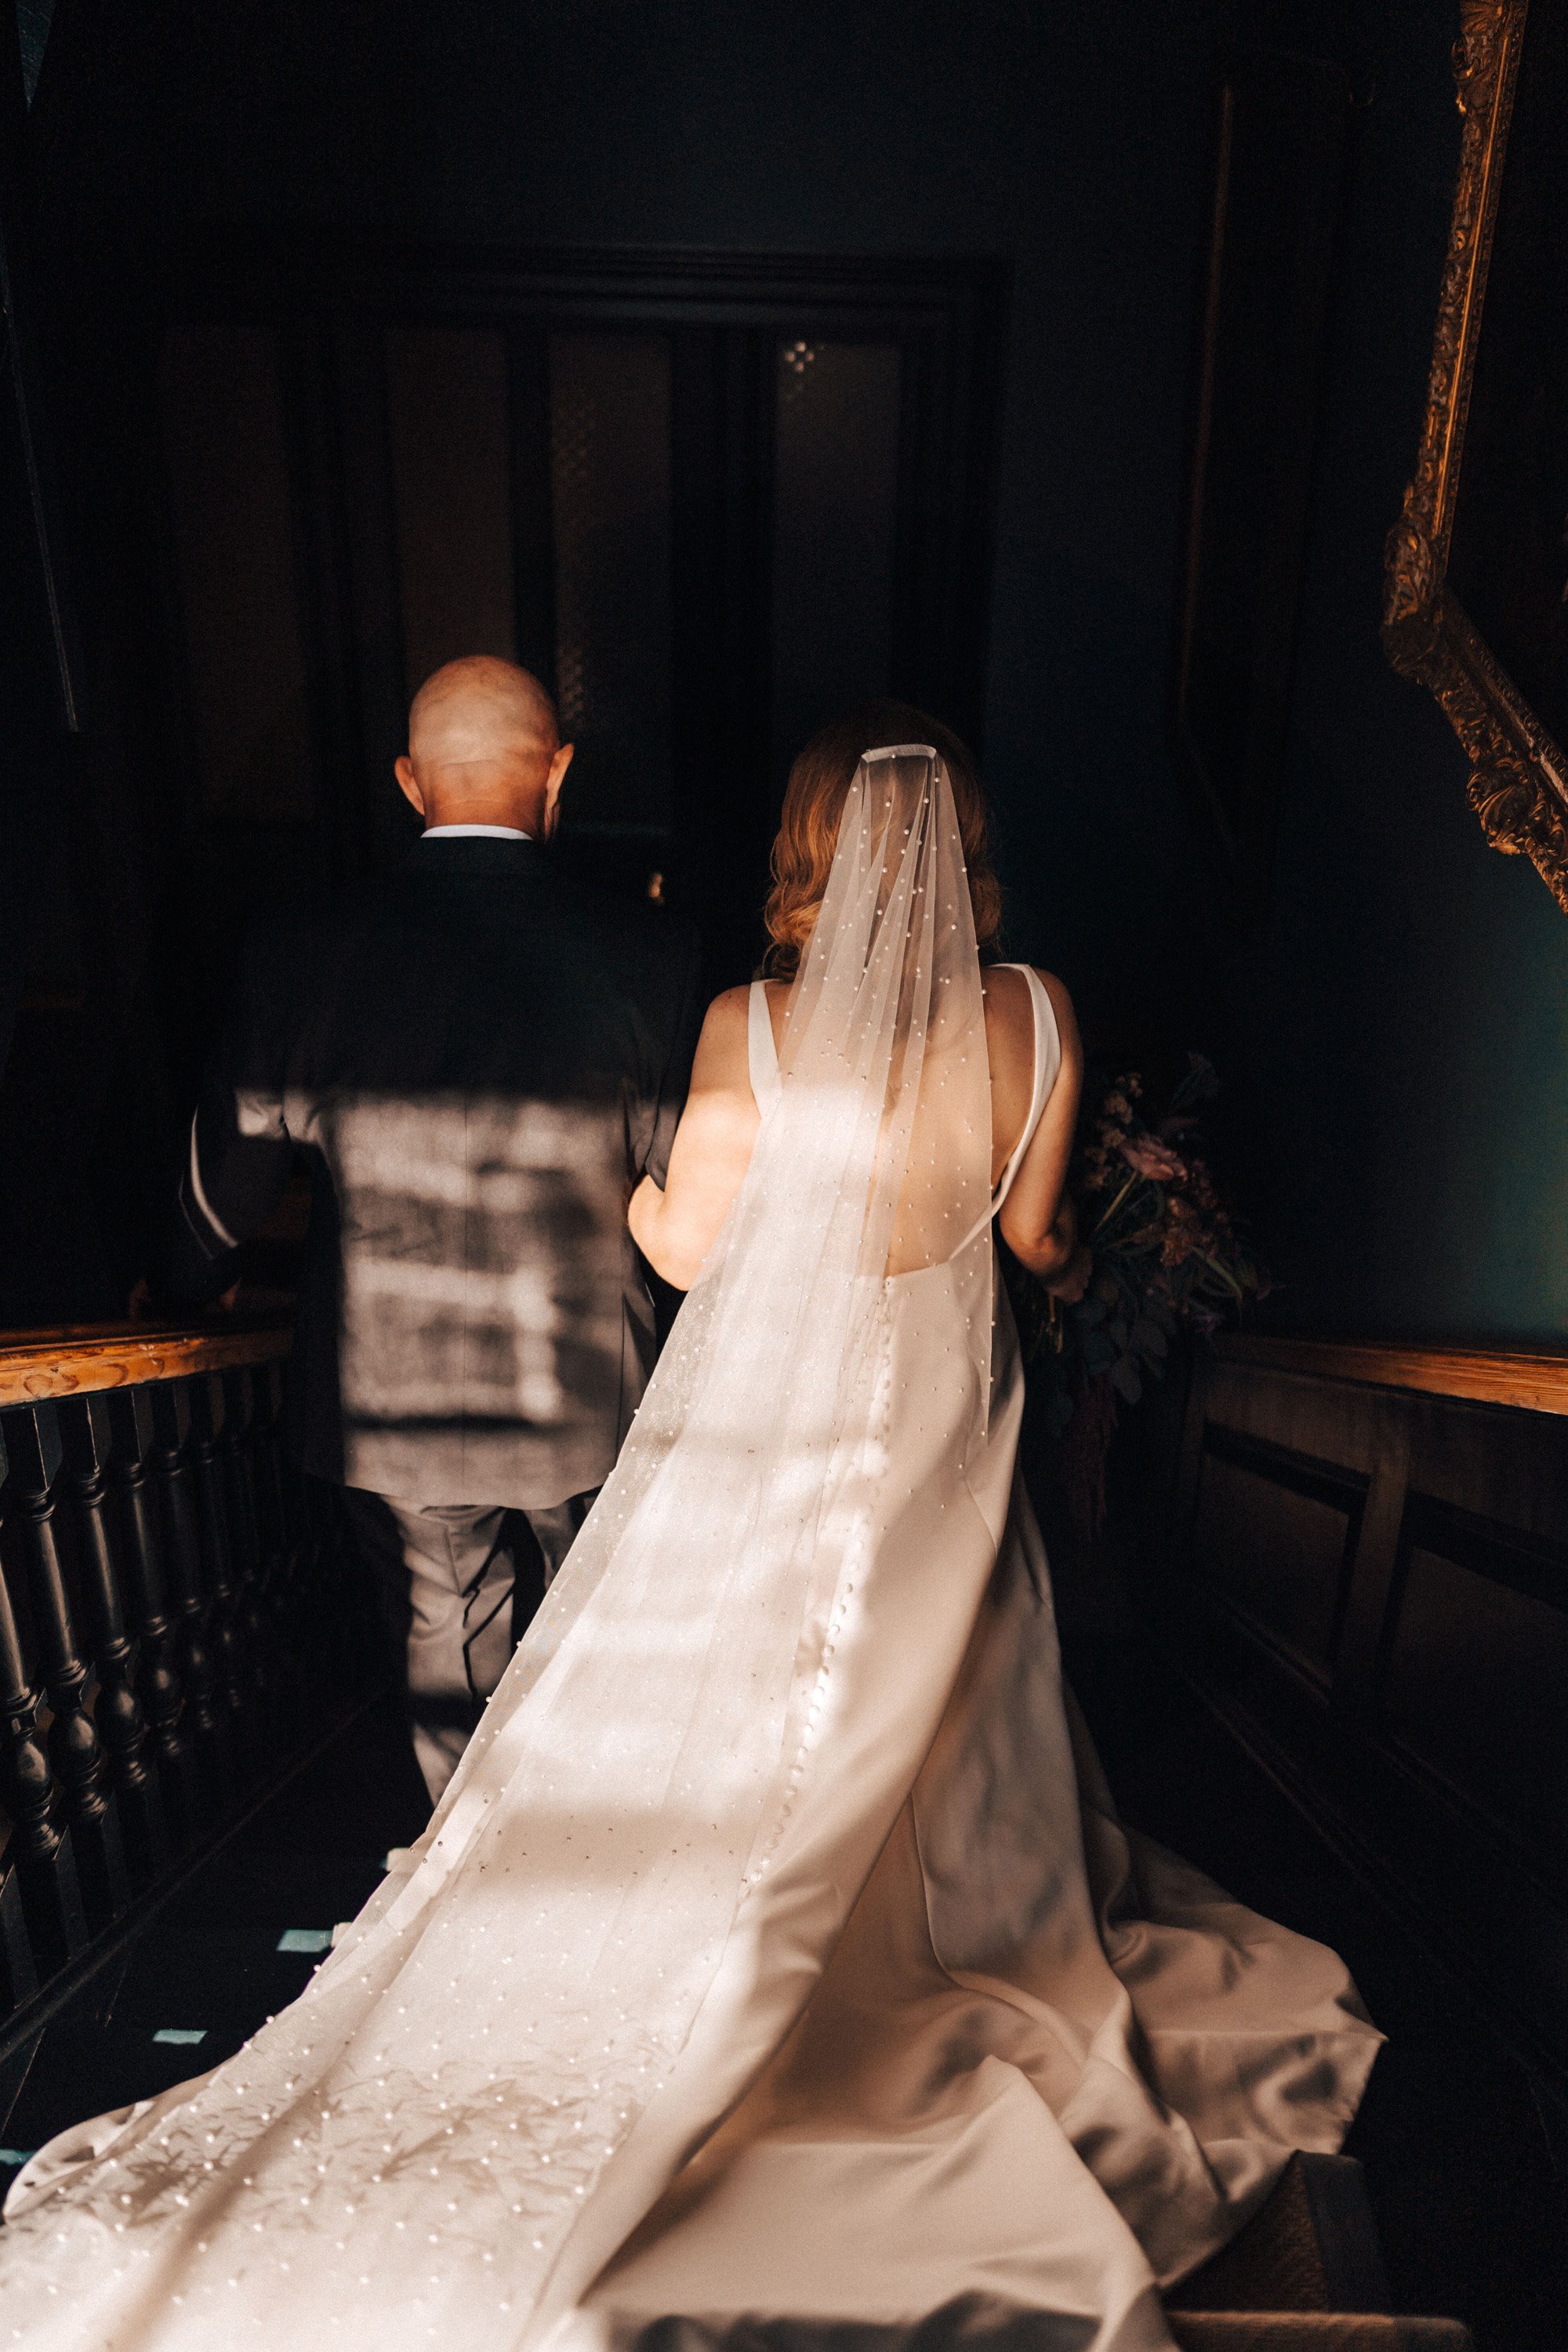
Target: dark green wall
[{"x": 1398, "y": 1046}]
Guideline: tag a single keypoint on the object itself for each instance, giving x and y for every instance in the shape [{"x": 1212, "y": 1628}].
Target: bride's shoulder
[
  {"x": 1056, "y": 988},
  {"x": 1061, "y": 1005},
  {"x": 721, "y": 1050},
  {"x": 1010, "y": 1006},
  {"x": 730, "y": 1008},
  {"x": 1007, "y": 990}
]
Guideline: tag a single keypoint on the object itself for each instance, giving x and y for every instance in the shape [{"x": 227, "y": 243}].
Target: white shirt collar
[{"x": 480, "y": 832}]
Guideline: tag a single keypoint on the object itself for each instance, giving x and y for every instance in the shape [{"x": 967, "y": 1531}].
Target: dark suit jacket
[{"x": 478, "y": 1056}]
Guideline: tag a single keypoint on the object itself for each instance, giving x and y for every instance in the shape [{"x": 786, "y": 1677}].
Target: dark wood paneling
[
  {"x": 1277, "y": 1533},
  {"x": 1371, "y": 1585},
  {"x": 450, "y": 432},
  {"x": 231, "y": 497},
  {"x": 1476, "y": 1672}
]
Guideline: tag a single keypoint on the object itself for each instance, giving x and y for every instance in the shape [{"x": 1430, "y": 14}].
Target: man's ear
[
  {"x": 552, "y": 783},
  {"x": 403, "y": 769}
]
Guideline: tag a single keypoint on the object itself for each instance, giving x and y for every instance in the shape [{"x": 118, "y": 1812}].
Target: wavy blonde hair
[{"x": 814, "y": 801}]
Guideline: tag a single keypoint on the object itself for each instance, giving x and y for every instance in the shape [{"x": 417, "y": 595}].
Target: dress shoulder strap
[
  {"x": 762, "y": 1053},
  {"x": 1047, "y": 1062}
]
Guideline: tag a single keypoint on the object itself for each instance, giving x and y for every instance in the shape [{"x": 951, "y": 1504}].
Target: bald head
[{"x": 484, "y": 747}]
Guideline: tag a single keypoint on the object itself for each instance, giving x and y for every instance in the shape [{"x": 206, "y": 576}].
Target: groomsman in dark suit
[{"x": 477, "y": 1059}]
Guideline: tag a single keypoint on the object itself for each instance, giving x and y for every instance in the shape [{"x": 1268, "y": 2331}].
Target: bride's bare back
[{"x": 676, "y": 1228}]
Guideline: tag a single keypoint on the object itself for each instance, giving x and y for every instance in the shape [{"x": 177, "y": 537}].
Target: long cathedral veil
[{"x": 511, "y": 1999}]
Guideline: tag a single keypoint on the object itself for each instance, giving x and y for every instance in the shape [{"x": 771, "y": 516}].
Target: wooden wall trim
[
  {"x": 78, "y": 1358},
  {"x": 1425, "y": 1735},
  {"x": 1534, "y": 1379}
]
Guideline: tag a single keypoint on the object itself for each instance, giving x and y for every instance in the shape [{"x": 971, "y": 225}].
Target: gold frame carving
[{"x": 1519, "y": 776}]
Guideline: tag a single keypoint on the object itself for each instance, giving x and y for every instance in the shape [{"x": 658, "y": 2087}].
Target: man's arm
[
  {"x": 675, "y": 1076},
  {"x": 238, "y": 1152}
]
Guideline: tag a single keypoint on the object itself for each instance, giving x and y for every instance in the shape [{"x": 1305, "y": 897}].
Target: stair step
[
  {"x": 1312, "y": 2247},
  {"x": 1305, "y": 2275},
  {"x": 1314, "y": 2331}
]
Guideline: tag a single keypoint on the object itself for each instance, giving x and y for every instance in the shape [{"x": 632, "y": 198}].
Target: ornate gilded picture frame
[{"x": 1475, "y": 602}]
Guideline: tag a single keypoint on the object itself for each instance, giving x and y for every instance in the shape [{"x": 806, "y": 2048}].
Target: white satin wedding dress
[{"x": 776, "y": 1954}]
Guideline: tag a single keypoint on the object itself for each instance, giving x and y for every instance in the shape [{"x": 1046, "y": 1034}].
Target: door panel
[
  {"x": 451, "y": 468},
  {"x": 610, "y": 482},
  {"x": 836, "y": 518}
]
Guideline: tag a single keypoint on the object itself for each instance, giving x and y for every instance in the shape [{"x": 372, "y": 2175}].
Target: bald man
[{"x": 476, "y": 1059}]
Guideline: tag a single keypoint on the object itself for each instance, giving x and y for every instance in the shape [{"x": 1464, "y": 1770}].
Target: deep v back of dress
[{"x": 777, "y": 1951}]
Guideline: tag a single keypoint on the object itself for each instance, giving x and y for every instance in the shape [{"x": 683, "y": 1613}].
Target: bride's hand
[{"x": 1074, "y": 1278}]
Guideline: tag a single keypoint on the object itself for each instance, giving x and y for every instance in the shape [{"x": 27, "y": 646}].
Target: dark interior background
[{"x": 1393, "y": 1036}]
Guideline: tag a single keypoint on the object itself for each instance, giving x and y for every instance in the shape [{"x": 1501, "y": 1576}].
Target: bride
[{"x": 775, "y": 1953}]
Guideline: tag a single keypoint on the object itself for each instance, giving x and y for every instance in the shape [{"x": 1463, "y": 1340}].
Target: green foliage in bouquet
[{"x": 1167, "y": 1256}]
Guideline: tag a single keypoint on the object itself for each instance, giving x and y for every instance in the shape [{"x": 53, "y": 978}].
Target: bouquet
[{"x": 1166, "y": 1258}]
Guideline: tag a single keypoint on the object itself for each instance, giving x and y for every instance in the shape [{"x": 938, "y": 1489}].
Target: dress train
[{"x": 969, "y": 2053}]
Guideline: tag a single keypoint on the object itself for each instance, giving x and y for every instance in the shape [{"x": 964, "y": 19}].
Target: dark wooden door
[{"x": 709, "y": 499}]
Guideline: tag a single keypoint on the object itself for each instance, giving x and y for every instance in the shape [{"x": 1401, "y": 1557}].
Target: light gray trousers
[{"x": 457, "y": 1584}]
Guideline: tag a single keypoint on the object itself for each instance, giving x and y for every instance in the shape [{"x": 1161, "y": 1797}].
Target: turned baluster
[
  {"x": 224, "y": 1634},
  {"x": 238, "y": 1459},
  {"x": 208, "y": 1718},
  {"x": 18, "y": 1968},
  {"x": 75, "y": 1749},
  {"x": 121, "y": 1727},
  {"x": 33, "y": 1796},
  {"x": 274, "y": 1582},
  {"x": 159, "y": 1683},
  {"x": 278, "y": 1540},
  {"x": 301, "y": 1609}
]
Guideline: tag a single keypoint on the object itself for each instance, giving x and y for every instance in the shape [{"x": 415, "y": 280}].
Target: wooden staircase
[
  {"x": 1315, "y": 2331},
  {"x": 1305, "y": 2275}
]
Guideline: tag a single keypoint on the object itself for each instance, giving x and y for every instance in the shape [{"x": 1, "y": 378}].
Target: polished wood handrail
[
  {"x": 75, "y": 1359},
  {"x": 1536, "y": 1379}
]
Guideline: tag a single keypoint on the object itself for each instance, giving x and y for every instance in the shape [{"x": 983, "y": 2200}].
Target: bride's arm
[
  {"x": 1038, "y": 1223},
  {"x": 676, "y": 1229}
]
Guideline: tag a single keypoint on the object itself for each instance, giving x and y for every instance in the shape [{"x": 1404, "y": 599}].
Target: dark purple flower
[{"x": 1149, "y": 1157}]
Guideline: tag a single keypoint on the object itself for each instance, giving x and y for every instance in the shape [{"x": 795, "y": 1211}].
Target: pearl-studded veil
[{"x": 507, "y": 2006}]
